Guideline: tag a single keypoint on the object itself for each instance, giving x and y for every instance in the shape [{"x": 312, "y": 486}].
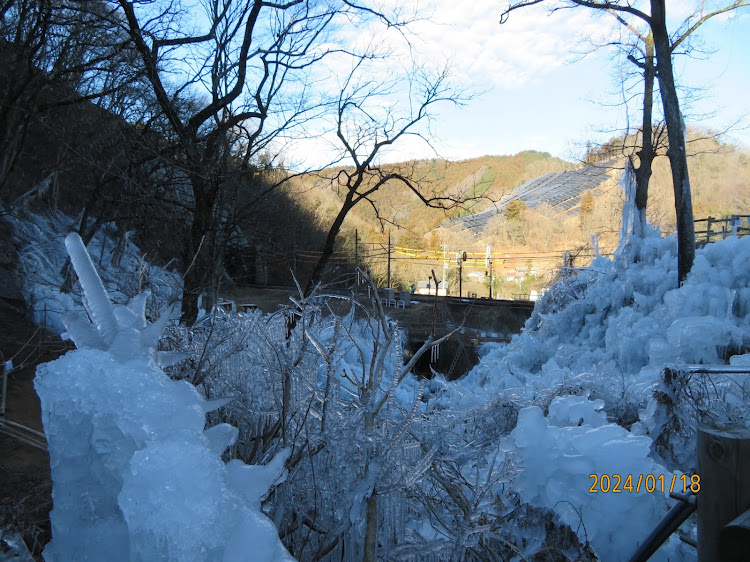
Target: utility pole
[
  {"x": 356, "y": 256},
  {"x": 488, "y": 263},
  {"x": 445, "y": 261},
  {"x": 389, "y": 260},
  {"x": 437, "y": 283},
  {"x": 460, "y": 259}
]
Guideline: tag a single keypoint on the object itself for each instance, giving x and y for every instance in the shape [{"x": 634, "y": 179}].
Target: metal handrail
[{"x": 668, "y": 525}]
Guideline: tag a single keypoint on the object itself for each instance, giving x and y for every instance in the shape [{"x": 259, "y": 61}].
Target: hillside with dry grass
[{"x": 527, "y": 244}]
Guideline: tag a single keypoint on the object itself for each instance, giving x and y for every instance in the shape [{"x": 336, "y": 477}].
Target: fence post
[
  {"x": 723, "y": 467},
  {"x": 708, "y": 229}
]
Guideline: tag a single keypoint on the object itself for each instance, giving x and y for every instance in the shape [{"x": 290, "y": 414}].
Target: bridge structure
[{"x": 476, "y": 320}]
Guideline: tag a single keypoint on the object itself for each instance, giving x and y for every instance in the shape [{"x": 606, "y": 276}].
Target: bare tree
[
  {"x": 363, "y": 136},
  {"x": 656, "y": 61},
  {"x": 639, "y": 50},
  {"x": 246, "y": 82},
  {"x": 55, "y": 54}
]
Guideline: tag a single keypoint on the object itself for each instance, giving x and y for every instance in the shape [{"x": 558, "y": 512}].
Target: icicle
[
  {"x": 151, "y": 334},
  {"x": 628, "y": 183},
  {"x": 124, "y": 316},
  {"x": 169, "y": 358},
  {"x": 220, "y": 437},
  {"x": 82, "y": 332},
  {"x": 94, "y": 293},
  {"x": 138, "y": 305}
]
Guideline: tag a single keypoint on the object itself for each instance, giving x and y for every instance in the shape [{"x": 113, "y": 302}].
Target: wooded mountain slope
[{"x": 532, "y": 239}]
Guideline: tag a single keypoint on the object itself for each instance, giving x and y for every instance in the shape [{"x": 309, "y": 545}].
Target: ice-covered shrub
[
  {"x": 42, "y": 259},
  {"x": 685, "y": 398},
  {"x": 135, "y": 476},
  {"x": 328, "y": 388},
  {"x": 372, "y": 446}
]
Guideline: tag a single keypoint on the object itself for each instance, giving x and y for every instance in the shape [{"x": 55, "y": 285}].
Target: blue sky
[
  {"x": 540, "y": 93},
  {"x": 544, "y": 96}
]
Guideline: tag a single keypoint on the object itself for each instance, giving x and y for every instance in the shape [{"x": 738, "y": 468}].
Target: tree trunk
[
  {"x": 333, "y": 232},
  {"x": 371, "y": 528},
  {"x": 646, "y": 153},
  {"x": 371, "y": 516},
  {"x": 197, "y": 253},
  {"x": 676, "y": 135}
]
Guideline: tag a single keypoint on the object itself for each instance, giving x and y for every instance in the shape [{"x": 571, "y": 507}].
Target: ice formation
[
  {"x": 571, "y": 396},
  {"x": 615, "y": 326},
  {"x": 607, "y": 334},
  {"x": 135, "y": 476},
  {"x": 557, "y": 457},
  {"x": 122, "y": 269}
]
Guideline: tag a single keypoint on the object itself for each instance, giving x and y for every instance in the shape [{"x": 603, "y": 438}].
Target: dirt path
[{"x": 25, "y": 485}]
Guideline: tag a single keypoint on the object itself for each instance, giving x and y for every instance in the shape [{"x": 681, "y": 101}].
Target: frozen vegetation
[
  {"x": 339, "y": 451},
  {"x": 135, "y": 474},
  {"x": 43, "y": 264}
]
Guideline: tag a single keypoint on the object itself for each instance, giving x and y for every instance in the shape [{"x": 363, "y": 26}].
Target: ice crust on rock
[{"x": 135, "y": 476}]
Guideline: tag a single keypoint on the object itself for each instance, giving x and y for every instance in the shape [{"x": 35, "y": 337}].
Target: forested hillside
[{"x": 481, "y": 181}]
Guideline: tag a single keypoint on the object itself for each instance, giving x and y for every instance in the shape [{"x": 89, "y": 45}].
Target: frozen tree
[
  {"x": 659, "y": 46},
  {"x": 250, "y": 87}
]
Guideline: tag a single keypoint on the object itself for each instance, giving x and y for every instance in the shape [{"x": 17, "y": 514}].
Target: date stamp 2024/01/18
[{"x": 616, "y": 483}]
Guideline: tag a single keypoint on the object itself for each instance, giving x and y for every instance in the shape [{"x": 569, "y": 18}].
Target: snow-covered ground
[{"x": 501, "y": 460}]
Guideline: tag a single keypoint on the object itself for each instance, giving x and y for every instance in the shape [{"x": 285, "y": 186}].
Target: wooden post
[
  {"x": 735, "y": 538},
  {"x": 708, "y": 229},
  {"x": 724, "y": 470}
]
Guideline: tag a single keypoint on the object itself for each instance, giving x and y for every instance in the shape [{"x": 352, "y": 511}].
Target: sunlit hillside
[{"x": 527, "y": 245}]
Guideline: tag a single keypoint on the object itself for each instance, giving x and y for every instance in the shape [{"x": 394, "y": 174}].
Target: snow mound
[{"x": 135, "y": 476}]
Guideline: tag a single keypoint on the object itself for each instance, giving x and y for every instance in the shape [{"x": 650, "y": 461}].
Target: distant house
[{"x": 519, "y": 274}]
